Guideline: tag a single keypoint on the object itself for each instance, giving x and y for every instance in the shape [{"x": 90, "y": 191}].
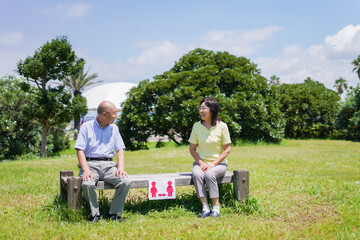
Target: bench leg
[
  {"x": 74, "y": 192},
  {"x": 241, "y": 185},
  {"x": 63, "y": 183}
]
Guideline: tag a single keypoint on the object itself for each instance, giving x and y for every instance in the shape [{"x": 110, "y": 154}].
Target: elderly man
[{"x": 95, "y": 147}]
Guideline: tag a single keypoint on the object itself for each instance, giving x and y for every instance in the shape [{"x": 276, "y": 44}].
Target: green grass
[{"x": 300, "y": 189}]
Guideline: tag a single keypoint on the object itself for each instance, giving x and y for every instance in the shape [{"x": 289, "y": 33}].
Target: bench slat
[{"x": 181, "y": 179}]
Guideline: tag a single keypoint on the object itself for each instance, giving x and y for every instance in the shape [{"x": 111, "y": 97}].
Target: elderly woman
[{"x": 209, "y": 146}]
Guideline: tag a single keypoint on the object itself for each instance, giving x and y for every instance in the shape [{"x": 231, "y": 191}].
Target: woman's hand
[
  {"x": 210, "y": 165},
  {"x": 204, "y": 166}
]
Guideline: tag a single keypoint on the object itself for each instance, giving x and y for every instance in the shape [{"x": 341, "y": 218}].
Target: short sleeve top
[
  {"x": 96, "y": 141},
  {"x": 210, "y": 141}
]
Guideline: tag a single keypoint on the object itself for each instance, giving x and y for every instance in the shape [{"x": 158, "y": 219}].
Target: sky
[{"x": 129, "y": 41}]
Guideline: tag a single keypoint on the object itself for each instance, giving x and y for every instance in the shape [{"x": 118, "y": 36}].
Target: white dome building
[{"x": 113, "y": 92}]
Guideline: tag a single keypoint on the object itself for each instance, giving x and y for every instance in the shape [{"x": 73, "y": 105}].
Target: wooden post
[
  {"x": 241, "y": 184},
  {"x": 74, "y": 192},
  {"x": 63, "y": 183}
]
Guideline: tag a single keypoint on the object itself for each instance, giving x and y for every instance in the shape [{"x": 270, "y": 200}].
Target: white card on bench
[{"x": 162, "y": 188}]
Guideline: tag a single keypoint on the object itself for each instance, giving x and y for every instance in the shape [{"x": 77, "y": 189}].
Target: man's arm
[
  {"x": 87, "y": 173},
  {"x": 120, "y": 156}
]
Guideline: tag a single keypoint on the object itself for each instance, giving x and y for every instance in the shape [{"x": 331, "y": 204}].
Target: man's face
[{"x": 111, "y": 115}]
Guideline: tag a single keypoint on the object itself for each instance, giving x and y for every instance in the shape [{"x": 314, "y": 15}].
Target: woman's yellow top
[{"x": 210, "y": 141}]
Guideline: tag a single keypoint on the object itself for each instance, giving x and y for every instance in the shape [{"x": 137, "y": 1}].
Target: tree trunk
[
  {"x": 77, "y": 126},
  {"x": 172, "y": 137},
  {"x": 44, "y": 133}
]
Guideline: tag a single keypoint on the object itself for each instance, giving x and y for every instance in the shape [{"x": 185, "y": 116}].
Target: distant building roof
[{"x": 114, "y": 92}]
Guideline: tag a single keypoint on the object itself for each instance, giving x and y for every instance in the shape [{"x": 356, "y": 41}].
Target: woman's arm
[
  {"x": 223, "y": 155},
  {"x": 196, "y": 157}
]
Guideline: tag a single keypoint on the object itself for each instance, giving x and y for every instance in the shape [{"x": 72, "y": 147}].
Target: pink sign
[{"x": 161, "y": 188}]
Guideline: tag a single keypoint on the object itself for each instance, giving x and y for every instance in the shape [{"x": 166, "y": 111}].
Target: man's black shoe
[
  {"x": 94, "y": 219},
  {"x": 115, "y": 217}
]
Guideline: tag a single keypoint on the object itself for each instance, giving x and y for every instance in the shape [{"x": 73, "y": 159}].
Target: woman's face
[{"x": 205, "y": 113}]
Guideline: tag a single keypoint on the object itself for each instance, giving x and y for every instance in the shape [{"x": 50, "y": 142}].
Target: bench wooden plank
[{"x": 181, "y": 179}]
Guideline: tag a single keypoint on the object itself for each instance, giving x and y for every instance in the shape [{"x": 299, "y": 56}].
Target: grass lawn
[{"x": 307, "y": 189}]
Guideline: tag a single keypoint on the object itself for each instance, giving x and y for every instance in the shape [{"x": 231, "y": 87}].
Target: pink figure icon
[
  {"x": 170, "y": 189},
  {"x": 153, "y": 189}
]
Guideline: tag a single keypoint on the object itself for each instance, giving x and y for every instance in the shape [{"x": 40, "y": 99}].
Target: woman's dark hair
[{"x": 213, "y": 105}]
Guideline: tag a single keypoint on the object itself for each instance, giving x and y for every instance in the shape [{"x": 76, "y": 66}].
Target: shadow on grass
[
  {"x": 183, "y": 204},
  {"x": 186, "y": 201}
]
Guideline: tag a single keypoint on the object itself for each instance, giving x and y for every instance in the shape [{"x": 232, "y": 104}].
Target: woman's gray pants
[
  {"x": 105, "y": 171},
  {"x": 209, "y": 177}
]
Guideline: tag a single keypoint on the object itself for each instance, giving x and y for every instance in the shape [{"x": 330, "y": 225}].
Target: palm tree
[
  {"x": 356, "y": 64},
  {"x": 341, "y": 85},
  {"x": 76, "y": 82}
]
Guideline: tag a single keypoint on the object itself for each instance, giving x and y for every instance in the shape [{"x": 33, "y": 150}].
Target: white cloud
[
  {"x": 324, "y": 63},
  {"x": 11, "y": 38},
  {"x": 159, "y": 56},
  {"x": 238, "y": 43},
  {"x": 10, "y": 51},
  {"x": 8, "y": 62},
  {"x": 74, "y": 10},
  {"x": 155, "y": 58},
  {"x": 346, "y": 40}
]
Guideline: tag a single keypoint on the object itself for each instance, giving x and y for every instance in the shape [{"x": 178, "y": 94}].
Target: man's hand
[
  {"x": 121, "y": 173},
  {"x": 88, "y": 175}
]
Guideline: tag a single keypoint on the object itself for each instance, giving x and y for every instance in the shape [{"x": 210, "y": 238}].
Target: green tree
[
  {"x": 78, "y": 110},
  {"x": 341, "y": 85},
  {"x": 53, "y": 61},
  {"x": 348, "y": 121},
  {"x": 77, "y": 82},
  {"x": 274, "y": 81},
  {"x": 168, "y": 105},
  {"x": 18, "y": 134},
  {"x": 356, "y": 64},
  {"x": 310, "y": 109}
]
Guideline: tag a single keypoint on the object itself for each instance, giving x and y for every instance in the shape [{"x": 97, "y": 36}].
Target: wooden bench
[{"x": 70, "y": 186}]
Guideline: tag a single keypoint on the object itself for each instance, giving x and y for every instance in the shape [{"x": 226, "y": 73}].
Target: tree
[
  {"x": 348, "y": 121},
  {"x": 168, "y": 105},
  {"x": 274, "y": 81},
  {"x": 77, "y": 82},
  {"x": 78, "y": 110},
  {"x": 356, "y": 64},
  {"x": 341, "y": 85},
  {"x": 18, "y": 134},
  {"x": 53, "y": 61},
  {"x": 310, "y": 109}
]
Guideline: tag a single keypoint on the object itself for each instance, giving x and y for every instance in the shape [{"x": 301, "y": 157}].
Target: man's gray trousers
[{"x": 105, "y": 171}]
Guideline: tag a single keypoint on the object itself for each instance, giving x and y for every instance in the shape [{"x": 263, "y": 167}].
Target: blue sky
[{"x": 129, "y": 41}]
